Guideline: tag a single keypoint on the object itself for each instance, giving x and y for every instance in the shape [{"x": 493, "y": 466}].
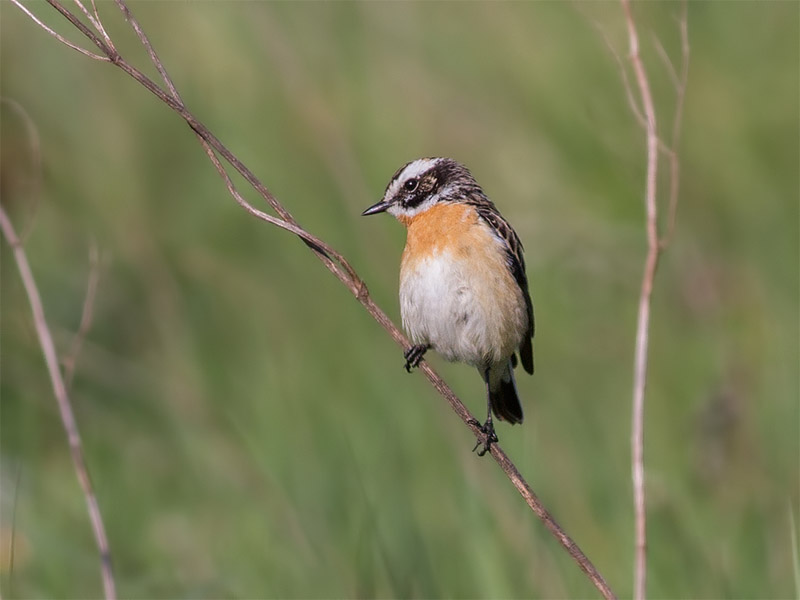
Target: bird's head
[{"x": 422, "y": 183}]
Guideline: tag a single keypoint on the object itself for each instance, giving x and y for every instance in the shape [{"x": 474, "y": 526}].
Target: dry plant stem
[
  {"x": 95, "y": 21},
  {"x": 643, "y": 319},
  {"x": 322, "y": 250},
  {"x": 60, "y": 38},
  {"x": 680, "y": 82},
  {"x": 334, "y": 261},
  {"x": 655, "y": 245},
  {"x": 525, "y": 490},
  {"x": 86, "y": 315},
  {"x": 64, "y": 406}
]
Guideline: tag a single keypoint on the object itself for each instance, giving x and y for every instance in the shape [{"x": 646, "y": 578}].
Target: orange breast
[
  {"x": 443, "y": 226},
  {"x": 456, "y": 290}
]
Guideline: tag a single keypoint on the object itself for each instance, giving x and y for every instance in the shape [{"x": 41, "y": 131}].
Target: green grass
[{"x": 249, "y": 428}]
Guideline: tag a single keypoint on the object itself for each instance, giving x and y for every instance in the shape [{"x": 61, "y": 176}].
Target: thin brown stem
[
  {"x": 94, "y": 19},
  {"x": 324, "y": 252},
  {"x": 626, "y": 83},
  {"x": 643, "y": 319},
  {"x": 655, "y": 246},
  {"x": 680, "y": 81},
  {"x": 64, "y": 405},
  {"x": 522, "y": 486},
  {"x": 333, "y": 260},
  {"x": 59, "y": 37},
  {"x": 629, "y": 95},
  {"x": 87, "y": 314}
]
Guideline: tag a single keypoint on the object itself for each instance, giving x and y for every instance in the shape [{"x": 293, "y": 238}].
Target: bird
[{"x": 463, "y": 287}]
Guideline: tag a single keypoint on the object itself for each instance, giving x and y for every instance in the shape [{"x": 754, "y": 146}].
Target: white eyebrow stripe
[
  {"x": 417, "y": 168},
  {"x": 414, "y": 169}
]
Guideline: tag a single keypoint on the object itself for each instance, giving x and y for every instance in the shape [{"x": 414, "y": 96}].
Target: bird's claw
[
  {"x": 489, "y": 436},
  {"x": 414, "y": 355}
]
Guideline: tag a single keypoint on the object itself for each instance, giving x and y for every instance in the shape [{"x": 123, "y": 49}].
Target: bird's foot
[
  {"x": 489, "y": 436},
  {"x": 414, "y": 355}
]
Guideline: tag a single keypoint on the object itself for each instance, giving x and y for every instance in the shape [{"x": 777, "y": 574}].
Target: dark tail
[{"x": 503, "y": 397}]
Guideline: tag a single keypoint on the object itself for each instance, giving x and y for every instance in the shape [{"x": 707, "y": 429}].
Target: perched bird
[{"x": 463, "y": 288}]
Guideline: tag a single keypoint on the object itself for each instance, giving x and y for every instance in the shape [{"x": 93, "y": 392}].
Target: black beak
[{"x": 377, "y": 208}]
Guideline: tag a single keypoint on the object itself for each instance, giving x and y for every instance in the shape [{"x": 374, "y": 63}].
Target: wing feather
[{"x": 516, "y": 264}]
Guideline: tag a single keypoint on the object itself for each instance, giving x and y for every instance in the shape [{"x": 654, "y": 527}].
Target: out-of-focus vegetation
[{"x": 249, "y": 428}]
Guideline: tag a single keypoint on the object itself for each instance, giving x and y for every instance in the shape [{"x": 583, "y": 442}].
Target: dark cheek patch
[{"x": 415, "y": 199}]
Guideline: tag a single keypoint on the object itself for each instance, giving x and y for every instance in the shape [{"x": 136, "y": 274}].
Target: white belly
[{"x": 472, "y": 315}]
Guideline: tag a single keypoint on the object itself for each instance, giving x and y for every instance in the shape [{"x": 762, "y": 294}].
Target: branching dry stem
[
  {"x": 333, "y": 260},
  {"x": 71, "y": 359},
  {"x": 646, "y": 116},
  {"x": 62, "y": 398}
]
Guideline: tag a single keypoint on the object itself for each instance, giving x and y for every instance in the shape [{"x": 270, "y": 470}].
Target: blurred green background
[{"x": 249, "y": 428}]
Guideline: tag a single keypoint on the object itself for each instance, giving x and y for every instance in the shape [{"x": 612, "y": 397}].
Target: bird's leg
[
  {"x": 414, "y": 354},
  {"x": 488, "y": 427}
]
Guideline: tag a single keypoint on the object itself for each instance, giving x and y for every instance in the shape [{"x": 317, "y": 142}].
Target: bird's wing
[{"x": 516, "y": 264}]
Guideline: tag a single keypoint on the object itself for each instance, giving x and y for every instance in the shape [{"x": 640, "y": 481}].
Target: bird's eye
[{"x": 411, "y": 185}]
